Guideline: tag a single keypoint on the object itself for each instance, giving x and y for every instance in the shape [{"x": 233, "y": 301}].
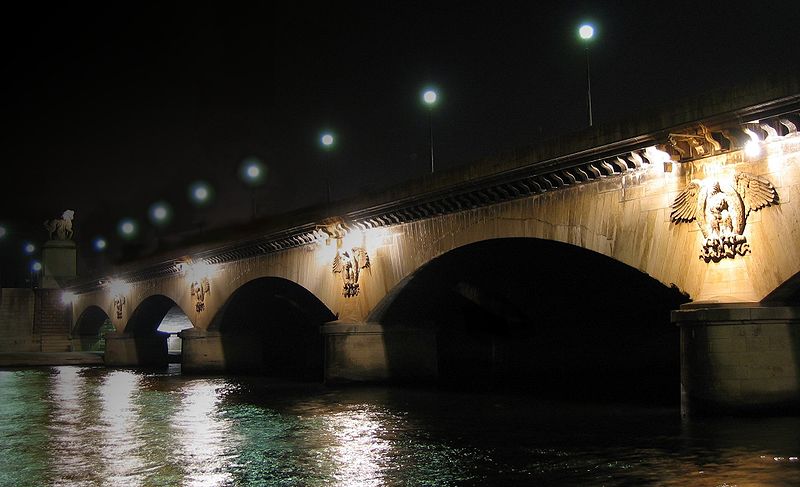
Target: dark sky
[{"x": 110, "y": 107}]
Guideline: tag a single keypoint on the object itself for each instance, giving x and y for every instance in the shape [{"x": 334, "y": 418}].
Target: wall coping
[{"x": 736, "y": 314}]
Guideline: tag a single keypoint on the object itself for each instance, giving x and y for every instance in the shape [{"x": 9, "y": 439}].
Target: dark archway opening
[
  {"x": 544, "y": 317},
  {"x": 90, "y": 329},
  {"x": 271, "y": 326},
  {"x": 151, "y": 344}
]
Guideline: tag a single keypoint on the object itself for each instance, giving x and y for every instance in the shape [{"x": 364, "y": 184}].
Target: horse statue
[{"x": 61, "y": 227}]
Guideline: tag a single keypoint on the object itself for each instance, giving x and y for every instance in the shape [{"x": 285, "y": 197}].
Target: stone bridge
[{"x": 695, "y": 209}]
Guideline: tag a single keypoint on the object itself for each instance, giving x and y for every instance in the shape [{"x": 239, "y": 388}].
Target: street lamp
[
  {"x": 586, "y": 32},
  {"x": 160, "y": 213},
  {"x": 327, "y": 140},
  {"x": 99, "y": 244},
  {"x": 127, "y": 228},
  {"x": 429, "y": 97},
  {"x": 200, "y": 193},
  {"x": 253, "y": 173}
]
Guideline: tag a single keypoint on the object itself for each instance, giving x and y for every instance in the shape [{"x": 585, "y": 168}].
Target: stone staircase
[
  {"x": 51, "y": 321},
  {"x": 56, "y": 343}
]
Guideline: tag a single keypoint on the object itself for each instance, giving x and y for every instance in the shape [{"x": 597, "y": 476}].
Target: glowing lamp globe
[
  {"x": 429, "y": 97},
  {"x": 252, "y": 171},
  {"x": 200, "y": 193},
  {"x": 160, "y": 213},
  {"x": 99, "y": 244},
  {"x": 127, "y": 228}
]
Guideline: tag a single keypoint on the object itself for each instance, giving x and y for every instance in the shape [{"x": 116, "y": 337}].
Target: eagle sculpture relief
[
  {"x": 721, "y": 210},
  {"x": 349, "y": 264}
]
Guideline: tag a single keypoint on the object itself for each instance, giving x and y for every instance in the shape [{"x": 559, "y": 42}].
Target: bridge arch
[
  {"x": 140, "y": 340},
  {"x": 539, "y": 315},
  {"x": 90, "y": 327},
  {"x": 149, "y": 313},
  {"x": 271, "y": 325}
]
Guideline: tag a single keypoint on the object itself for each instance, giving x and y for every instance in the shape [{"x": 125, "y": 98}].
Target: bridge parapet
[{"x": 691, "y": 142}]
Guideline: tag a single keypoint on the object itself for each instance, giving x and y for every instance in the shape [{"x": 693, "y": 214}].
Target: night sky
[{"x": 111, "y": 107}]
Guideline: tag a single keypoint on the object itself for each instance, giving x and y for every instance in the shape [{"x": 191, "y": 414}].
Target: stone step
[
  {"x": 53, "y": 328},
  {"x": 56, "y": 343}
]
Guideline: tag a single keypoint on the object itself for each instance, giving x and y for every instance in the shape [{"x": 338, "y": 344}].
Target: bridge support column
[
  {"x": 201, "y": 351},
  {"x": 125, "y": 350},
  {"x": 371, "y": 352},
  {"x": 204, "y": 351},
  {"x": 739, "y": 359}
]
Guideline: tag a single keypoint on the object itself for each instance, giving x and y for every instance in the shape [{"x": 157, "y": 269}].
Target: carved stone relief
[
  {"x": 721, "y": 209},
  {"x": 119, "y": 303},
  {"x": 349, "y": 264},
  {"x": 199, "y": 290}
]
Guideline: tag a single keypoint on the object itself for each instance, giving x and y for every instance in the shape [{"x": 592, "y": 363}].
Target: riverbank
[{"x": 24, "y": 359}]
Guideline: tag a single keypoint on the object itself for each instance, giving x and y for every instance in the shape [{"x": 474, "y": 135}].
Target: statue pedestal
[{"x": 59, "y": 263}]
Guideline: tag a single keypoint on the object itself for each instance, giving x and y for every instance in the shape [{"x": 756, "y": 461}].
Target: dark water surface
[{"x": 74, "y": 426}]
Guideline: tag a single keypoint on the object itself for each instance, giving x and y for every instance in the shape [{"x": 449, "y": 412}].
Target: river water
[{"x": 91, "y": 426}]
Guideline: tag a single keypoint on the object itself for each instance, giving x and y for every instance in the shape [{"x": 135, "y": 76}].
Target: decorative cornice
[{"x": 719, "y": 134}]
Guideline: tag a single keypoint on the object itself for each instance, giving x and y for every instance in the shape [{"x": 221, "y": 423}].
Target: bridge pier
[
  {"x": 209, "y": 351},
  {"x": 201, "y": 351},
  {"x": 127, "y": 350},
  {"x": 371, "y": 352},
  {"x": 739, "y": 358}
]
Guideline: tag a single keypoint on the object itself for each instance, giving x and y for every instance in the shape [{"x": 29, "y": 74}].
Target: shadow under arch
[
  {"x": 541, "y": 316},
  {"x": 90, "y": 328},
  {"x": 271, "y": 325},
  {"x": 150, "y": 344}
]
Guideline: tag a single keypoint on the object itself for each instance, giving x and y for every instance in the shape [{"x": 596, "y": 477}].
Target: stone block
[
  {"x": 779, "y": 343},
  {"x": 727, "y": 345},
  {"x": 757, "y": 343},
  {"x": 733, "y": 372},
  {"x": 725, "y": 359}
]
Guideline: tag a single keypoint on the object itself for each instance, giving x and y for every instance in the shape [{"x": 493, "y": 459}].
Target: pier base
[
  {"x": 739, "y": 359},
  {"x": 370, "y": 352}
]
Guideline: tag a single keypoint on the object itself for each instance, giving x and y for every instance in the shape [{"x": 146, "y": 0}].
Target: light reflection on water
[
  {"x": 71, "y": 426},
  {"x": 358, "y": 448},
  {"x": 206, "y": 440}
]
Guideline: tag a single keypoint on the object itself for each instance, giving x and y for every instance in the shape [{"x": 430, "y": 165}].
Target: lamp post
[
  {"x": 327, "y": 140},
  {"x": 586, "y": 32},
  {"x": 160, "y": 213},
  {"x": 429, "y": 97},
  {"x": 253, "y": 173},
  {"x": 128, "y": 228}
]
